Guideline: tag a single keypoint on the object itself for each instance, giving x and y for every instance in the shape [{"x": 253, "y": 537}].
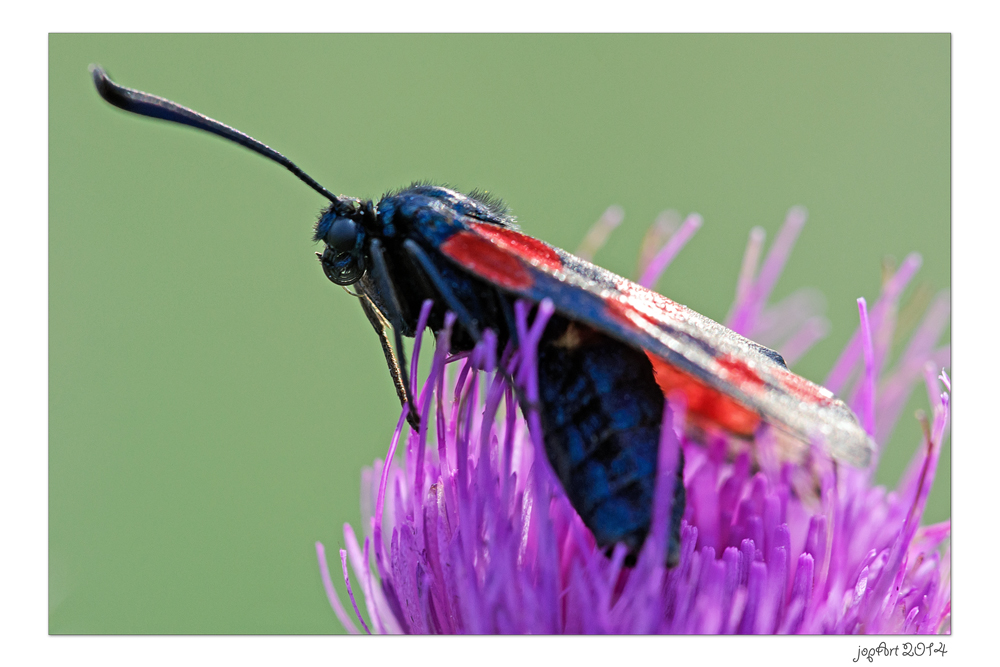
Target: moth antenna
[{"x": 144, "y": 104}]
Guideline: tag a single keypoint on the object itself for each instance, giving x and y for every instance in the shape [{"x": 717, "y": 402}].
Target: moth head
[{"x": 341, "y": 229}]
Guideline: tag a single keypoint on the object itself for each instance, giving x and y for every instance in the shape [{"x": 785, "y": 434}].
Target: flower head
[{"x": 472, "y": 532}]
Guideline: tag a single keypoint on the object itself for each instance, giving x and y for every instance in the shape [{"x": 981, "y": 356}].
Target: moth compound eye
[
  {"x": 342, "y": 237},
  {"x": 343, "y": 260}
]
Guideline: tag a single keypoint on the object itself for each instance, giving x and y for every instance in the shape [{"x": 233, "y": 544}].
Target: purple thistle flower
[{"x": 471, "y": 532}]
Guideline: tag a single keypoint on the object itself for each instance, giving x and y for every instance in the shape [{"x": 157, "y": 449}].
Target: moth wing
[{"x": 680, "y": 342}]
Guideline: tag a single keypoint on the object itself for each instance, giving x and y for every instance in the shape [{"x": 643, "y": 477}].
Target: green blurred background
[{"x": 213, "y": 397}]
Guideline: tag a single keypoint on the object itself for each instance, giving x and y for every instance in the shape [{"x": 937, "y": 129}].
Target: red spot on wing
[
  {"x": 487, "y": 260},
  {"x": 643, "y": 315},
  {"x": 803, "y": 389},
  {"x": 706, "y": 406},
  {"x": 622, "y": 311},
  {"x": 738, "y": 371},
  {"x": 524, "y": 246},
  {"x": 645, "y": 303}
]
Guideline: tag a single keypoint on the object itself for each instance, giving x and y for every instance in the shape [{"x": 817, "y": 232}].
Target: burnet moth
[{"x": 608, "y": 356}]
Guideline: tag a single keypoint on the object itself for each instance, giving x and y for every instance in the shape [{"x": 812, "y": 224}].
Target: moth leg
[
  {"x": 402, "y": 389},
  {"x": 380, "y": 274},
  {"x": 508, "y": 315},
  {"x": 441, "y": 285}
]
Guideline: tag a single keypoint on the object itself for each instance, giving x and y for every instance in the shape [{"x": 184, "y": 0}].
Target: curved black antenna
[{"x": 145, "y": 104}]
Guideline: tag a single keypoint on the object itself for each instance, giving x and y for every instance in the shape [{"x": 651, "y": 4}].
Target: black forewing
[{"x": 690, "y": 342}]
